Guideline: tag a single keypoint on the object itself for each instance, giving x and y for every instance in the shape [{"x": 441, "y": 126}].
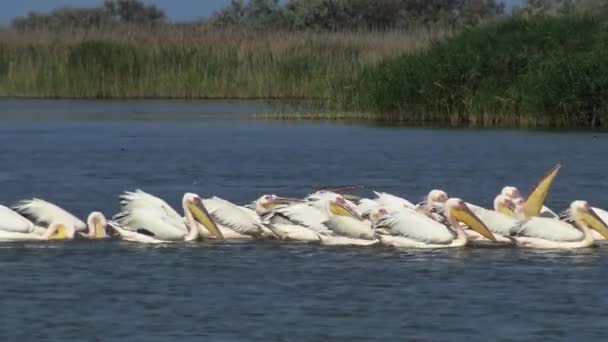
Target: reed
[
  {"x": 541, "y": 72},
  {"x": 194, "y": 62}
]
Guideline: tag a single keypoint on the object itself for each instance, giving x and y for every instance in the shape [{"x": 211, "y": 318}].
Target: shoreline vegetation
[{"x": 539, "y": 67}]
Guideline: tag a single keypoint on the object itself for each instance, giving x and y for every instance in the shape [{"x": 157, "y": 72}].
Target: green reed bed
[
  {"x": 193, "y": 63},
  {"x": 516, "y": 72}
]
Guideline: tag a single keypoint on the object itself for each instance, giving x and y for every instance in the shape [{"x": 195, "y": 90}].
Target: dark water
[{"x": 81, "y": 155}]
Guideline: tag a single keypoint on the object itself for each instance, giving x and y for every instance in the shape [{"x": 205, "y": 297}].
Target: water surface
[{"x": 82, "y": 154}]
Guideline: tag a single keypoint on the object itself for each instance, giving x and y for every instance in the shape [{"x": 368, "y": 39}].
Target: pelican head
[
  {"x": 194, "y": 206},
  {"x": 60, "y": 231},
  {"x": 585, "y": 216},
  {"x": 504, "y": 204},
  {"x": 511, "y": 192},
  {"x": 97, "y": 225},
  {"x": 377, "y": 214},
  {"x": 341, "y": 207},
  {"x": 266, "y": 203},
  {"x": 436, "y": 198},
  {"x": 457, "y": 211},
  {"x": 322, "y": 194}
]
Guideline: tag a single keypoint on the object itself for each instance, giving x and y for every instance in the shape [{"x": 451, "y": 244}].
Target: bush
[{"x": 547, "y": 70}]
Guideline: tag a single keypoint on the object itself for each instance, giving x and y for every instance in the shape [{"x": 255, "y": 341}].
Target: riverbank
[
  {"x": 541, "y": 72},
  {"x": 194, "y": 63}
]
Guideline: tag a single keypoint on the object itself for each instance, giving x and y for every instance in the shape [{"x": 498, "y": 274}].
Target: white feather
[
  {"x": 392, "y": 201},
  {"x": 497, "y": 222},
  {"x": 350, "y": 227},
  {"x": 366, "y": 205},
  {"x": 307, "y": 216},
  {"x": 550, "y": 229},
  {"x": 292, "y": 232},
  {"x": 242, "y": 220},
  {"x": 143, "y": 200},
  {"x": 11, "y": 221},
  {"x": 418, "y": 227},
  {"x": 144, "y": 211},
  {"x": 44, "y": 213}
]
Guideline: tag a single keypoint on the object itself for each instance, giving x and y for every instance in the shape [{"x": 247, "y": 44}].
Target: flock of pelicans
[{"x": 328, "y": 217}]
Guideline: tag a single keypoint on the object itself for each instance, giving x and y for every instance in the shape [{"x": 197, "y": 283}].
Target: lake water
[{"x": 82, "y": 154}]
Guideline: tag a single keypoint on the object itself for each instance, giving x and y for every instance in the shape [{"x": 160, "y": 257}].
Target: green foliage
[
  {"x": 547, "y": 71},
  {"x": 106, "y": 69},
  {"x": 561, "y": 7},
  {"x": 113, "y": 13},
  {"x": 334, "y": 15}
]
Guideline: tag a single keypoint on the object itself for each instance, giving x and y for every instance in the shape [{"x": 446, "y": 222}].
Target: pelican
[
  {"x": 541, "y": 232},
  {"x": 412, "y": 229},
  {"x": 346, "y": 225},
  {"x": 148, "y": 219},
  {"x": 42, "y": 212},
  {"x": 14, "y": 227},
  {"x": 332, "y": 220},
  {"x": 237, "y": 222},
  {"x": 501, "y": 221}
]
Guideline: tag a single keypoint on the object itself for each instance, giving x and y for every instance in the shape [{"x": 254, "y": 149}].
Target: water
[{"x": 81, "y": 155}]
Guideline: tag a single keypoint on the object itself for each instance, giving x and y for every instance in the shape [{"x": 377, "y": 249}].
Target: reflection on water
[{"x": 82, "y": 154}]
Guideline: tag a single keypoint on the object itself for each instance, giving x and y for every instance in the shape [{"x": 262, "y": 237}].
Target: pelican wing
[
  {"x": 350, "y": 227},
  {"x": 392, "y": 201},
  {"x": 151, "y": 222},
  {"x": 498, "y": 223},
  {"x": 549, "y": 229},
  {"x": 417, "y": 226},
  {"x": 11, "y": 221},
  {"x": 366, "y": 205},
  {"x": 45, "y": 213},
  {"x": 239, "y": 219},
  {"x": 305, "y": 215},
  {"x": 133, "y": 201}
]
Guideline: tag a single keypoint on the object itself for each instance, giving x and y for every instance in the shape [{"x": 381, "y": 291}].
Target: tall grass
[
  {"x": 193, "y": 62},
  {"x": 537, "y": 72}
]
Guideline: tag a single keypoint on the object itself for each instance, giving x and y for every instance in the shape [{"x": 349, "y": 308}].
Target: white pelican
[
  {"x": 541, "y": 232},
  {"x": 43, "y": 213},
  {"x": 14, "y": 227},
  {"x": 345, "y": 224},
  {"x": 149, "y": 219},
  {"x": 331, "y": 219},
  {"x": 501, "y": 221},
  {"x": 412, "y": 229},
  {"x": 237, "y": 222},
  {"x": 287, "y": 218}
]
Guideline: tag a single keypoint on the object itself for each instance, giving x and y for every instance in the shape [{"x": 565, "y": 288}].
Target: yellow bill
[
  {"x": 591, "y": 218},
  {"x": 100, "y": 230},
  {"x": 340, "y": 209},
  {"x": 536, "y": 199},
  {"x": 201, "y": 215},
  {"x": 60, "y": 233},
  {"x": 466, "y": 216}
]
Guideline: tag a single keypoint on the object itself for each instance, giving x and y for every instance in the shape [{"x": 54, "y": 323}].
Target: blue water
[{"x": 82, "y": 154}]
